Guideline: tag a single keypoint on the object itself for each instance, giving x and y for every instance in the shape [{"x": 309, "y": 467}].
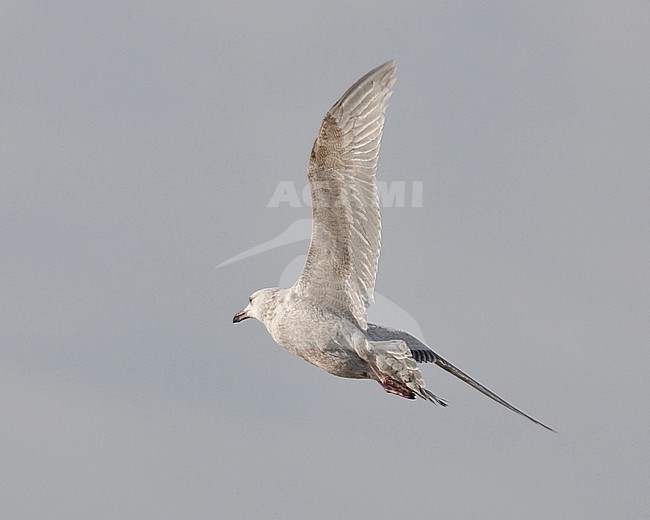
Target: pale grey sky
[{"x": 141, "y": 144}]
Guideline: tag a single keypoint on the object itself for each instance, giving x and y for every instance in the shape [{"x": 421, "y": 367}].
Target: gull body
[
  {"x": 322, "y": 317},
  {"x": 320, "y": 336}
]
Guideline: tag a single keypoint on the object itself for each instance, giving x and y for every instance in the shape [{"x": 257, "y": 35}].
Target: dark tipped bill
[{"x": 240, "y": 316}]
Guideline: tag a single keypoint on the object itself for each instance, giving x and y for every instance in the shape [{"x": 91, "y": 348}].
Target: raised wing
[{"x": 341, "y": 265}]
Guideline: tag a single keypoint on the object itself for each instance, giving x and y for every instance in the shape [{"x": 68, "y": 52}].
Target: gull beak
[{"x": 241, "y": 316}]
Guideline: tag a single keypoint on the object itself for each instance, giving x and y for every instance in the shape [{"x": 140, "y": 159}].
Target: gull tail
[
  {"x": 430, "y": 396},
  {"x": 423, "y": 354},
  {"x": 396, "y": 370}
]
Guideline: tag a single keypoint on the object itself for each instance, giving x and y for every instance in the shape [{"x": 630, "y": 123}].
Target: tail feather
[
  {"x": 423, "y": 354},
  {"x": 430, "y": 396},
  {"x": 394, "y": 367}
]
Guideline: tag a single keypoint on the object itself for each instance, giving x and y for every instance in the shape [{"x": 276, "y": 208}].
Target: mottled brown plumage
[{"x": 322, "y": 317}]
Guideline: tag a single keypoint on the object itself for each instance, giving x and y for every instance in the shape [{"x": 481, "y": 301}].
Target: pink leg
[{"x": 391, "y": 385}]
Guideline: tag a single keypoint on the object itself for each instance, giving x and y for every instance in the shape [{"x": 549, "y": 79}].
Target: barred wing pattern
[
  {"x": 341, "y": 264},
  {"x": 423, "y": 354}
]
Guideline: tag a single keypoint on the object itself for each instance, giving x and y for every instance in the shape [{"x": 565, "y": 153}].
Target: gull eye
[{"x": 250, "y": 299}]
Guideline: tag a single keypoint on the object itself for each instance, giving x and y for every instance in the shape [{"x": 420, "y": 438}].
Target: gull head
[{"x": 261, "y": 306}]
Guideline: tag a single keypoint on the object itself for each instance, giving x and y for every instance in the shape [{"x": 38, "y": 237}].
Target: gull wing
[
  {"x": 341, "y": 264},
  {"x": 423, "y": 354},
  {"x": 420, "y": 352}
]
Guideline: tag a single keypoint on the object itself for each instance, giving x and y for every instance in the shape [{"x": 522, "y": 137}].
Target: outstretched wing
[
  {"x": 423, "y": 354},
  {"x": 342, "y": 261}
]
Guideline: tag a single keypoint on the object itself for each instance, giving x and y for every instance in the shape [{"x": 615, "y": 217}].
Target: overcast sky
[{"x": 142, "y": 144}]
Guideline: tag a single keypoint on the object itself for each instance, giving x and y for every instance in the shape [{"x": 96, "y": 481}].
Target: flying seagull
[{"x": 322, "y": 317}]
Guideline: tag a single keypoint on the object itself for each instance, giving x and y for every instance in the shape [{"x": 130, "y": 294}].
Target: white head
[{"x": 261, "y": 305}]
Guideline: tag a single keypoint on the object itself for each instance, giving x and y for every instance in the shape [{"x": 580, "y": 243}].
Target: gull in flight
[{"x": 322, "y": 317}]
